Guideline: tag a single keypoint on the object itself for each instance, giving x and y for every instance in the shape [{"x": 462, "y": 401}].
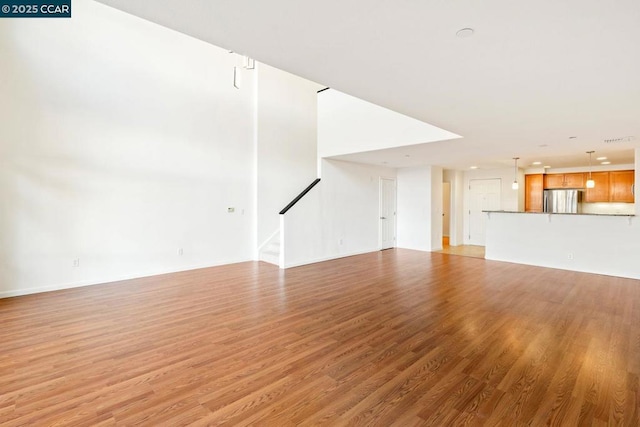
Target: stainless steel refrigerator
[{"x": 562, "y": 201}]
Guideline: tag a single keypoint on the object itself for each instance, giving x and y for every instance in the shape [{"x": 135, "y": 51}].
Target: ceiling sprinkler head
[{"x": 464, "y": 33}]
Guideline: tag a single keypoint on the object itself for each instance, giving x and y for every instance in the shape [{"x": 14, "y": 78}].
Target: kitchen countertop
[{"x": 555, "y": 213}]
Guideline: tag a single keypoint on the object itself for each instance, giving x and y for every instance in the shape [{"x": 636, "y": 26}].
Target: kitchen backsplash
[{"x": 609, "y": 208}]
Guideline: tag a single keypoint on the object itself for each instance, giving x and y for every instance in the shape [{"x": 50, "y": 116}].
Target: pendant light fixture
[
  {"x": 590, "y": 182},
  {"x": 515, "y": 185}
]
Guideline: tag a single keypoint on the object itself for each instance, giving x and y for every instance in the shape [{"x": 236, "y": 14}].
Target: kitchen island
[{"x": 592, "y": 243}]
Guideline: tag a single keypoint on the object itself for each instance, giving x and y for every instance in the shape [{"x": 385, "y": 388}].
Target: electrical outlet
[
  {"x": 231, "y": 210},
  {"x": 180, "y": 251},
  {"x": 570, "y": 256},
  {"x": 76, "y": 262},
  {"x": 340, "y": 242}
]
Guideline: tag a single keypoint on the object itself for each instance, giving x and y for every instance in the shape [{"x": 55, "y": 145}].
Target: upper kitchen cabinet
[
  {"x": 564, "y": 180},
  {"x": 555, "y": 180},
  {"x": 574, "y": 180},
  {"x": 621, "y": 185},
  {"x": 600, "y": 192}
]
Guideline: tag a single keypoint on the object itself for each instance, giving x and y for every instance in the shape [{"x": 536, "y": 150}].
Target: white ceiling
[{"x": 542, "y": 80}]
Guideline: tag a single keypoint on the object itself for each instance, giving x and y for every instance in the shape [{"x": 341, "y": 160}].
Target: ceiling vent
[{"x": 619, "y": 140}]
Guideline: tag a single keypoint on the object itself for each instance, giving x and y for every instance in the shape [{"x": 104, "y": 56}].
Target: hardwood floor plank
[{"x": 396, "y": 337}]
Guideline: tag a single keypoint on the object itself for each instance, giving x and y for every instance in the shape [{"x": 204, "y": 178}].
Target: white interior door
[
  {"x": 446, "y": 208},
  {"x": 484, "y": 195},
  {"x": 387, "y": 213}
]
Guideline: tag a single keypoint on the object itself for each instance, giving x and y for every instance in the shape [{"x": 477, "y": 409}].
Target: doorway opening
[
  {"x": 484, "y": 194},
  {"x": 474, "y": 251},
  {"x": 446, "y": 212},
  {"x": 387, "y": 227}
]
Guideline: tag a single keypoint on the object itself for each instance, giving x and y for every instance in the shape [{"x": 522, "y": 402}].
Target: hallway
[{"x": 473, "y": 251}]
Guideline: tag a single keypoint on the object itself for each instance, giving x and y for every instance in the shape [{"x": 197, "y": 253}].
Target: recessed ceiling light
[
  {"x": 601, "y": 158},
  {"x": 536, "y": 163},
  {"x": 407, "y": 155},
  {"x": 385, "y": 163},
  {"x": 605, "y": 163},
  {"x": 572, "y": 137},
  {"x": 547, "y": 167},
  {"x": 464, "y": 33},
  {"x": 543, "y": 145},
  {"x": 473, "y": 167}
]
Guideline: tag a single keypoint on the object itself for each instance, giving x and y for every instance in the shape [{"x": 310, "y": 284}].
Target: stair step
[
  {"x": 271, "y": 258},
  {"x": 271, "y": 251}
]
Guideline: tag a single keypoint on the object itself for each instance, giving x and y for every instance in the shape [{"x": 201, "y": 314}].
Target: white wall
[
  {"x": 302, "y": 231},
  {"x": 338, "y": 217},
  {"x": 436, "y": 208},
  {"x": 414, "y": 208},
  {"x": 286, "y": 143},
  {"x": 350, "y": 125},
  {"x": 121, "y": 142},
  {"x": 589, "y": 243},
  {"x": 510, "y": 200},
  {"x": 420, "y": 208},
  {"x": 521, "y": 190}
]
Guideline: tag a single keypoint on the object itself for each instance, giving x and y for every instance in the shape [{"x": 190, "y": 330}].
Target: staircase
[{"x": 270, "y": 251}]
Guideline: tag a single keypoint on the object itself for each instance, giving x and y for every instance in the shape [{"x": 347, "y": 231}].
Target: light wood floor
[
  {"x": 396, "y": 337},
  {"x": 474, "y": 251}
]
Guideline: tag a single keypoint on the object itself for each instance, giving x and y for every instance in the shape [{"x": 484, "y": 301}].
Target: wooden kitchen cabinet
[
  {"x": 533, "y": 192},
  {"x": 599, "y": 193},
  {"x": 574, "y": 180},
  {"x": 564, "y": 180},
  {"x": 555, "y": 180},
  {"x": 621, "y": 185}
]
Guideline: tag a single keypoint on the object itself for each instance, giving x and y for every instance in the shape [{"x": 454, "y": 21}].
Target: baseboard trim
[
  {"x": 103, "y": 281},
  {"x": 604, "y": 272},
  {"x": 329, "y": 258}
]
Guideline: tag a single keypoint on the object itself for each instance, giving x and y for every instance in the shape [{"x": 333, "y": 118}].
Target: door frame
[
  {"x": 395, "y": 211},
  {"x": 468, "y": 230},
  {"x": 448, "y": 208}
]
